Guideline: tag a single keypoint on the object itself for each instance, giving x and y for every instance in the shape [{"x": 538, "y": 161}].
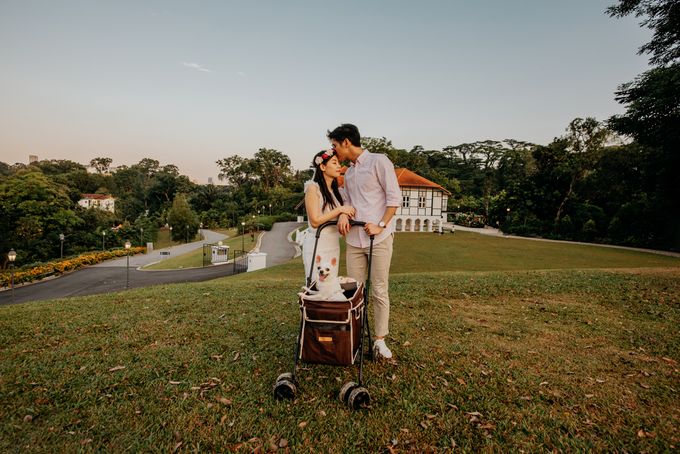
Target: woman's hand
[{"x": 348, "y": 210}]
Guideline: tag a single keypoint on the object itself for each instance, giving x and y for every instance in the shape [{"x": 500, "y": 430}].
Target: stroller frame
[{"x": 351, "y": 393}]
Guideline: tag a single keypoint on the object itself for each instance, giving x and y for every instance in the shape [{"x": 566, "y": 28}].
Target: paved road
[
  {"x": 111, "y": 276},
  {"x": 275, "y": 243}
]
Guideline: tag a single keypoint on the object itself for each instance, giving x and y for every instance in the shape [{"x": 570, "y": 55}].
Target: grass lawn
[
  {"x": 194, "y": 259},
  {"x": 510, "y": 357}
]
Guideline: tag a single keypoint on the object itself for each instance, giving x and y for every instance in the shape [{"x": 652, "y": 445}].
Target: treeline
[{"x": 38, "y": 203}]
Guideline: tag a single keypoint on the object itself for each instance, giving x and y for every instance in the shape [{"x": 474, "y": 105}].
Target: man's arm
[
  {"x": 388, "y": 180},
  {"x": 374, "y": 229}
]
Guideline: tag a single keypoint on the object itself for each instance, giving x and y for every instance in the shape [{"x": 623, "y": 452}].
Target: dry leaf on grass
[
  {"x": 461, "y": 381},
  {"x": 173, "y": 382},
  {"x": 302, "y": 425},
  {"x": 113, "y": 369},
  {"x": 236, "y": 356},
  {"x": 224, "y": 400}
]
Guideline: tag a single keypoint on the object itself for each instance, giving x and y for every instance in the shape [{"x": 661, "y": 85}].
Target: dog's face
[{"x": 324, "y": 267}]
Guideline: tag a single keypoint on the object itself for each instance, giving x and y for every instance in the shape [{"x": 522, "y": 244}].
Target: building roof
[
  {"x": 406, "y": 179},
  {"x": 96, "y": 196}
]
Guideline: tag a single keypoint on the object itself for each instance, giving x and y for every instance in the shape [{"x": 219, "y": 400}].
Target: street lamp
[
  {"x": 186, "y": 234},
  {"x": 141, "y": 236},
  {"x": 61, "y": 238},
  {"x": 170, "y": 228},
  {"x": 127, "y": 279},
  {"x": 12, "y": 256},
  {"x": 104, "y": 240},
  {"x": 243, "y": 237},
  {"x": 270, "y": 209}
]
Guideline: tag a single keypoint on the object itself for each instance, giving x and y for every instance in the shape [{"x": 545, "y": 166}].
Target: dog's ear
[
  {"x": 318, "y": 259},
  {"x": 334, "y": 261}
]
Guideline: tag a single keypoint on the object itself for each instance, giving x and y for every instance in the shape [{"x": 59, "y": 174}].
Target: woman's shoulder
[{"x": 311, "y": 184}]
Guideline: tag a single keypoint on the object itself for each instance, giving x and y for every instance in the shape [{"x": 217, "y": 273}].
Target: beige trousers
[{"x": 357, "y": 268}]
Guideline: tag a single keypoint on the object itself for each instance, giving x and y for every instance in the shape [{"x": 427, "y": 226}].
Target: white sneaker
[{"x": 380, "y": 349}]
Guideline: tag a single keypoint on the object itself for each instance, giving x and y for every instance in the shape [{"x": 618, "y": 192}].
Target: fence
[{"x": 240, "y": 262}]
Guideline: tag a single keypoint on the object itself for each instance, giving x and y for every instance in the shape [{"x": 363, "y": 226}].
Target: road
[{"x": 112, "y": 275}]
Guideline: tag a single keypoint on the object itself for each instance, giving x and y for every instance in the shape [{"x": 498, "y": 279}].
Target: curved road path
[{"x": 111, "y": 276}]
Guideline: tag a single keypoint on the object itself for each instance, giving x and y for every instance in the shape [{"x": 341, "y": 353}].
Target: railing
[{"x": 240, "y": 262}]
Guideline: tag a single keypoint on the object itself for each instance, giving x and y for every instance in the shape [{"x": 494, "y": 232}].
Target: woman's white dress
[{"x": 329, "y": 241}]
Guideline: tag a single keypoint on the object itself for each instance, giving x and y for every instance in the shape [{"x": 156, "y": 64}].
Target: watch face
[{"x": 381, "y": 224}]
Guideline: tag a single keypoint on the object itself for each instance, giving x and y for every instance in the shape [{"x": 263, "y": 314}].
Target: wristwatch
[{"x": 382, "y": 225}]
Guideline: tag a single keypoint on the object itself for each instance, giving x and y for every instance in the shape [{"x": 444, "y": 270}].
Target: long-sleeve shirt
[{"x": 370, "y": 187}]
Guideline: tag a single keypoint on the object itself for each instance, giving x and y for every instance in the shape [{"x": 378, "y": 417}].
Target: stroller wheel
[
  {"x": 285, "y": 376},
  {"x": 358, "y": 398},
  {"x": 346, "y": 390},
  {"x": 284, "y": 390}
]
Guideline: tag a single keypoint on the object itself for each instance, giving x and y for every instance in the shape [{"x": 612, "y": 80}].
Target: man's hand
[
  {"x": 372, "y": 229},
  {"x": 343, "y": 224}
]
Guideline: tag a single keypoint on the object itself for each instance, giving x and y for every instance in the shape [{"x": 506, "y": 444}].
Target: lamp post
[
  {"x": 61, "y": 238},
  {"x": 270, "y": 209},
  {"x": 104, "y": 240},
  {"x": 141, "y": 236},
  {"x": 12, "y": 256},
  {"x": 170, "y": 228},
  {"x": 243, "y": 236},
  {"x": 186, "y": 233},
  {"x": 127, "y": 279}
]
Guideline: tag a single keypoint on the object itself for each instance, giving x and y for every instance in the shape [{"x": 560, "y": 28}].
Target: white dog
[{"x": 327, "y": 283}]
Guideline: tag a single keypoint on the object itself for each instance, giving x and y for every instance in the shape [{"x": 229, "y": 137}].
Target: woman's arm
[{"x": 314, "y": 214}]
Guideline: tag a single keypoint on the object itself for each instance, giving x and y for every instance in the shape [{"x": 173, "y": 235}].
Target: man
[{"x": 371, "y": 187}]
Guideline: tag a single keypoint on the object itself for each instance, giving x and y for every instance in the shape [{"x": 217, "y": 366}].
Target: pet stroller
[{"x": 333, "y": 333}]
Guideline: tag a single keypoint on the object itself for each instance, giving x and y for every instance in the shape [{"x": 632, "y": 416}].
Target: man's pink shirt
[{"x": 370, "y": 187}]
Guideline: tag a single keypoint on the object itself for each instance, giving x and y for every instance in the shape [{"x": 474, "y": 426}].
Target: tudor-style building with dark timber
[{"x": 423, "y": 203}]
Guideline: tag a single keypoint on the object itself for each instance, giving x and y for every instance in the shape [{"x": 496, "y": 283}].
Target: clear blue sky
[{"x": 192, "y": 82}]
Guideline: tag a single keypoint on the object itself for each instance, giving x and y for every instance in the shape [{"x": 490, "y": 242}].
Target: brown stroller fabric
[{"x": 331, "y": 330}]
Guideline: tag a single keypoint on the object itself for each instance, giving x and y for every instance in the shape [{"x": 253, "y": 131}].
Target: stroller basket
[{"x": 331, "y": 330}]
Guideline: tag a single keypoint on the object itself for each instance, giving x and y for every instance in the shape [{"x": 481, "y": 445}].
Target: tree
[
  {"x": 101, "y": 165},
  {"x": 652, "y": 114},
  {"x": 33, "y": 212},
  {"x": 660, "y": 16},
  {"x": 183, "y": 220}
]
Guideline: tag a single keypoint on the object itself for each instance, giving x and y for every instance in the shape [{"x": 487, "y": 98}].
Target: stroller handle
[{"x": 352, "y": 223}]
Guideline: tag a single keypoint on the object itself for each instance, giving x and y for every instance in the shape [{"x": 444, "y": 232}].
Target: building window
[
  {"x": 421, "y": 201},
  {"x": 405, "y": 201}
]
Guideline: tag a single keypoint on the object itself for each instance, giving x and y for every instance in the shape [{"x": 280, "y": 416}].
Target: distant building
[
  {"x": 210, "y": 180},
  {"x": 105, "y": 202},
  {"x": 32, "y": 158},
  {"x": 423, "y": 203}
]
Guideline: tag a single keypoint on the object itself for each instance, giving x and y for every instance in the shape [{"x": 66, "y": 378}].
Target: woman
[{"x": 323, "y": 203}]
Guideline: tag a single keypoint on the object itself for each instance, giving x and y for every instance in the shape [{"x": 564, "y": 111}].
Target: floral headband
[{"x": 324, "y": 157}]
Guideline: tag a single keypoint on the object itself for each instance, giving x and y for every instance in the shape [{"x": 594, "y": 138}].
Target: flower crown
[{"x": 325, "y": 156}]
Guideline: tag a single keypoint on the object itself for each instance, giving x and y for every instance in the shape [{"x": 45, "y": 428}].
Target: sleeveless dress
[{"x": 329, "y": 241}]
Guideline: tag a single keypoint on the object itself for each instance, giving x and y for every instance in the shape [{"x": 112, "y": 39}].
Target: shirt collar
[{"x": 362, "y": 157}]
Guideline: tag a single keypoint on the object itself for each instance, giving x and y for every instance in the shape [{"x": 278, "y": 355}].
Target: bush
[{"x": 469, "y": 219}]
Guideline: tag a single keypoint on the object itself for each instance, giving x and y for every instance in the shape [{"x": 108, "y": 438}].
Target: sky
[{"x": 188, "y": 83}]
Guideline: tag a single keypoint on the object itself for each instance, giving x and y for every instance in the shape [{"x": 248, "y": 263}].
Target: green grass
[
  {"x": 194, "y": 259},
  {"x": 534, "y": 360}
]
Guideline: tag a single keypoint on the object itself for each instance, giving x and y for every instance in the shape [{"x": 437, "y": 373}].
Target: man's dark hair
[{"x": 346, "y": 131}]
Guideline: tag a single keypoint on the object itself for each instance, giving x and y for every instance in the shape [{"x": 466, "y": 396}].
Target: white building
[
  {"x": 423, "y": 203},
  {"x": 105, "y": 202}
]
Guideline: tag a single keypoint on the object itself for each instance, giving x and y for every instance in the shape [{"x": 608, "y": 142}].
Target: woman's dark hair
[
  {"x": 319, "y": 179},
  {"x": 345, "y": 131}
]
